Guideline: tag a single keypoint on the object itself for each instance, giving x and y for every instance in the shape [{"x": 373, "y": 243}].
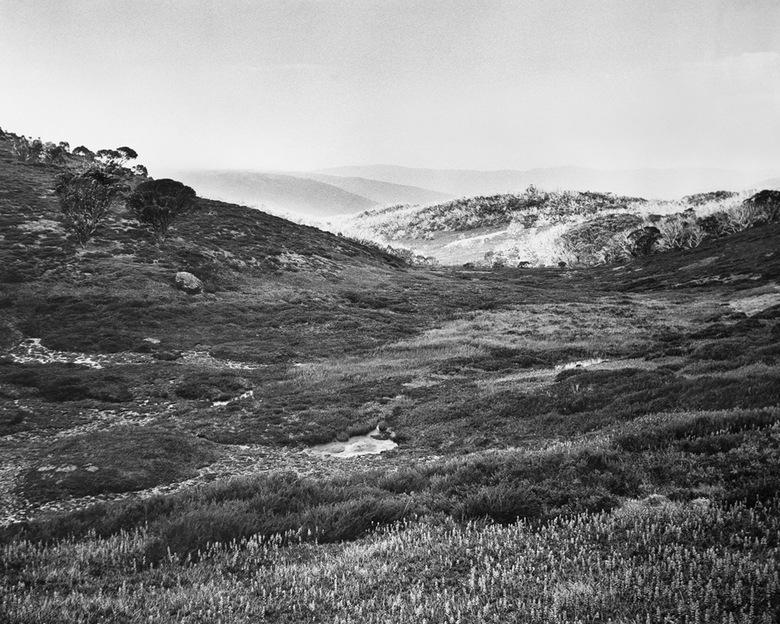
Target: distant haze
[
  {"x": 349, "y": 190},
  {"x": 647, "y": 183},
  {"x": 305, "y": 85}
]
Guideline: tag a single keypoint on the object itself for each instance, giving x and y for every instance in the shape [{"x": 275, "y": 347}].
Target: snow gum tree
[
  {"x": 157, "y": 203},
  {"x": 85, "y": 199}
]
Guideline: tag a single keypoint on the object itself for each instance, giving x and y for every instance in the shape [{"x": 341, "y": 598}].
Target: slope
[
  {"x": 276, "y": 192},
  {"x": 383, "y": 193},
  {"x": 539, "y": 228}
]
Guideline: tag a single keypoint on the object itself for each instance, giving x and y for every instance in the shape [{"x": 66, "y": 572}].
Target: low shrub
[
  {"x": 122, "y": 459},
  {"x": 213, "y": 387},
  {"x": 503, "y": 503},
  {"x": 649, "y": 436}
]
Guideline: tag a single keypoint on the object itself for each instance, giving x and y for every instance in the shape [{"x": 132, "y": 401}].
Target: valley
[{"x": 556, "y": 435}]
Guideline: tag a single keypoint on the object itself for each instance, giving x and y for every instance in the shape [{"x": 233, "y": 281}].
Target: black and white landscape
[{"x": 526, "y": 371}]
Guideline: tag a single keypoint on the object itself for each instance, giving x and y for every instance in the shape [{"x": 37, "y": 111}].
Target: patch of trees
[
  {"x": 613, "y": 237},
  {"x": 90, "y": 183},
  {"x": 85, "y": 199},
  {"x": 113, "y": 161},
  {"x": 528, "y": 209},
  {"x": 34, "y": 150}
]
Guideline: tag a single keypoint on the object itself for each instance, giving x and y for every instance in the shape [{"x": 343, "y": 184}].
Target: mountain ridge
[
  {"x": 302, "y": 194},
  {"x": 277, "y": 191},
  {"x": 651, "y": 183}
]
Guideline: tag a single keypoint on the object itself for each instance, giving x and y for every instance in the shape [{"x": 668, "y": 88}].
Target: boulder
[{"x": 188, "y": 283}]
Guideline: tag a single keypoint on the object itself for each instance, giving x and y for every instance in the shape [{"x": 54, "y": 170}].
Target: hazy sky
[{"x": 462, "y": 84}]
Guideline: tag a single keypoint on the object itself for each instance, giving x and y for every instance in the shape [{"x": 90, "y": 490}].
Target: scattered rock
[{"x": 188, "y": 283}]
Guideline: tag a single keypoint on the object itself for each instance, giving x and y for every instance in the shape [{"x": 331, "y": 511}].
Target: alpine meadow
[
  {"x": 384, "y": 311},
  {"x": 590, "y": 441}
]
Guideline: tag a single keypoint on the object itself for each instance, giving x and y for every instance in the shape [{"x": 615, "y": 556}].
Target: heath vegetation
[{"x": 598, "y": 441}]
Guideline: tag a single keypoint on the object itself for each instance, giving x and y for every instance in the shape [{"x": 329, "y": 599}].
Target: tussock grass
[{"x": 656, "y": 564}]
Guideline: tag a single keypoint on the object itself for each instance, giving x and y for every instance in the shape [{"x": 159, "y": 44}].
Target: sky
[{"x": 479, "y": 84}]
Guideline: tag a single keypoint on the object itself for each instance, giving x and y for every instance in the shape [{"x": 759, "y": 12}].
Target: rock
[
  {"x": 166, "y": 356},
  {"x": 188, "y": 283}
]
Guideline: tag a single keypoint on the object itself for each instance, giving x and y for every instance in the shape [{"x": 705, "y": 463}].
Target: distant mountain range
[
  {"x": 275, "y": 192},
  {"x": 307, "y": 194},
  {"x": 349, "y": 190},
  {"x": 647, "y": 183},
  {"x": 771, "y": 183}
]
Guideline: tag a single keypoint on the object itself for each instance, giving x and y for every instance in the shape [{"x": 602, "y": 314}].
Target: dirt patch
[{"x": 756, "y": 303}]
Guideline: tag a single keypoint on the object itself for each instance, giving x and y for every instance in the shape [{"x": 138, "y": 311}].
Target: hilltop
[{"x": 161, "y": 450}]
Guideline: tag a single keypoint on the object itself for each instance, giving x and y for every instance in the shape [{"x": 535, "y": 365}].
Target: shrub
[
  {"x": 716, "y": 225},
  {"x": 84, "y": 201},
  {"x": 679, "y": 232},
  {"x": 745, "y": 216},
  {"x": 768, "y": 202},
  {"x": 84, "y": 152},
  {"x": 503, "y": 503},
  {"x": 26, "y": 150},
  {"x": 157, "y": 203},
  {"x": 122, "y": 459},
  {"x": 210, "y": 386}
]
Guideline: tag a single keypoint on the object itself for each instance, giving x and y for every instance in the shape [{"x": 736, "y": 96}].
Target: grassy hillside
[{"x": 578, "y": 443}]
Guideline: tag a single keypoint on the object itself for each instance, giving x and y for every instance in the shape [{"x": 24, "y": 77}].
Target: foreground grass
[{"x": 643, "y": 563}]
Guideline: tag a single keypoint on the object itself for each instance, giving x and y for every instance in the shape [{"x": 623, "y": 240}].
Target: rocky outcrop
[{"x": 188, "y": 283}]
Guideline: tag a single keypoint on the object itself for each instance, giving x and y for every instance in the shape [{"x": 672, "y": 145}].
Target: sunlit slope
[{"x": 538, "y": 228}]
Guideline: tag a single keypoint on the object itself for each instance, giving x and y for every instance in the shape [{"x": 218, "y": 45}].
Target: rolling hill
[
  {"x": 383, "y": 193},
  {"x": 538, "y": 228},
  {"x": 301, "y": 194},
  {"x": 276, "y": 192},
  {"x": 565, "y": 443}
]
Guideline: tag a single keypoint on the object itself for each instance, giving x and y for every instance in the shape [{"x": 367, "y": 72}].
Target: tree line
[{"x": 91, "y": 182}]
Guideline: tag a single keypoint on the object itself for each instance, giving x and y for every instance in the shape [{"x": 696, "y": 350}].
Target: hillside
[
  {"x": 651, "y": 183},
  {"x": 538, "y": 228},
  {"x": 568, "y": 443},
  {"x": 276, "y": 192},
  {"x": 383, "y": 193},
  {"x": 304, "y": 195}
]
